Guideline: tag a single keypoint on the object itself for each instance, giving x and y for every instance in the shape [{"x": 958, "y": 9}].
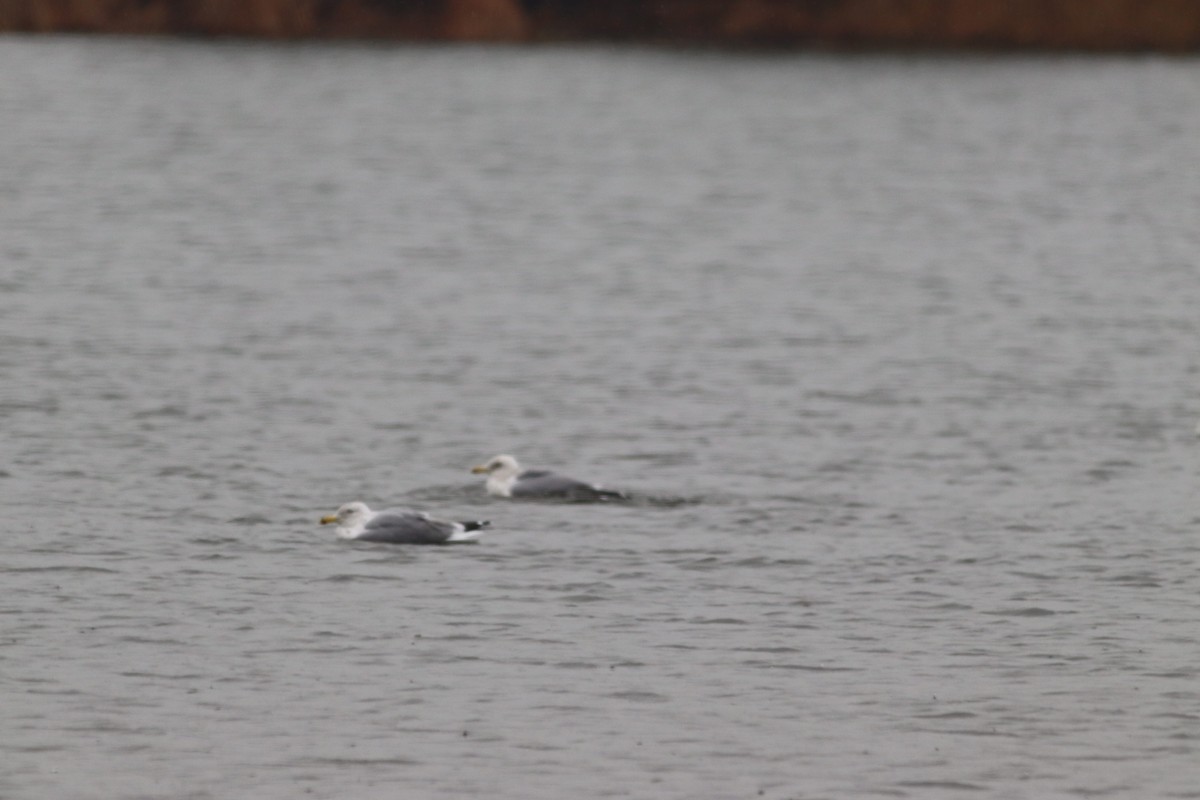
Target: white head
[
  {"x": 348, "y": 515},
  {"x": 499, "y": 468}
]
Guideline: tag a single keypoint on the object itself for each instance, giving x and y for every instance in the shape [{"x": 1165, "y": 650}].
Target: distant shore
[{"x": 1079, "y": 25}]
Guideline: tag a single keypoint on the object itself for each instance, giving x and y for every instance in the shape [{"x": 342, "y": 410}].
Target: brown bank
[{"x": 1164, "y": 25}]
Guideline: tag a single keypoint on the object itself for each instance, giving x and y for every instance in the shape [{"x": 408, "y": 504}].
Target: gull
[
  {"x": 357, "y": 522},
  {"x": 507, "y": 479}
]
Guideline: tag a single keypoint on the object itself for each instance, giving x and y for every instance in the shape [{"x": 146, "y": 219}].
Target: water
[{"x": 896, "y": 354}]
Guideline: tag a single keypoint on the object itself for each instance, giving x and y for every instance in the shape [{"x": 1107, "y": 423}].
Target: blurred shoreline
[{"x": 1070, "y": 25}]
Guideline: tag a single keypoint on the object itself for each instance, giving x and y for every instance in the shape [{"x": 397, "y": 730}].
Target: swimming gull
[
  {"x": 400, "y": 526},
  {"x": 507, "y": 479}
]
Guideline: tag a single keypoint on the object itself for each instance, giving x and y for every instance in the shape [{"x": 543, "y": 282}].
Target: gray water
[{"x": 895, "y": 354}]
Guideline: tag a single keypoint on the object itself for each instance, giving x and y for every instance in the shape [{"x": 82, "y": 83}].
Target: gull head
[
  {"x": 348, "y": 514},
  {"x": 500, "y": 467}
]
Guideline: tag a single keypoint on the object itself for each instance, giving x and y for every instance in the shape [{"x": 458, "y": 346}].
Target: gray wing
[
  {"x": 401, "y": 526},
  {"x": 543, "y": 483}
]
